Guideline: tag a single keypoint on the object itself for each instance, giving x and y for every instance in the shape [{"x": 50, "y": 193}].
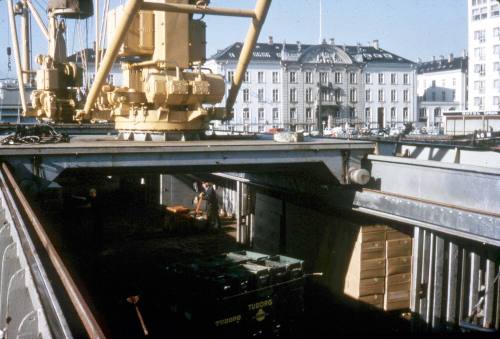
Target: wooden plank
[
  {"x": 430, "y": 284},
  {"x": 438, "y": 283},
  {"x": 489, "y": 294},
  {"x": 416, "y": 269},
  {"x": 473, "y": 283},
  {"x": 452, "y": 284}
]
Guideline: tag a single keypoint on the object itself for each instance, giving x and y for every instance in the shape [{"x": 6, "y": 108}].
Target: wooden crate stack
[
  {"x": 398, "y": 276},
  {"x": 379, "y": 271},
  {"x": 365, "y": 278}
]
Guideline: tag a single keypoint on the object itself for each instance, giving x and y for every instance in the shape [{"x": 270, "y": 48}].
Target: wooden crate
[
  {"x": 398, "y": 265},
  {"x": 356, "y": 287},
  {"x": 398, "y": 248},
  {"x": 366, "y": 269},
  {"x": 397, "y": 293},
  {"x": 393, "y": 234},
  {"x": 376, "y": 300}
]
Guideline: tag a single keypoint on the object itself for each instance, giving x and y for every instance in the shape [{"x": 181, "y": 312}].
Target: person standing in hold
[{"x": 212, "y": 205}]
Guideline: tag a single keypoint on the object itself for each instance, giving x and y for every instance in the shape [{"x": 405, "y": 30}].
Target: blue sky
[{"x": 410, "y": 28}]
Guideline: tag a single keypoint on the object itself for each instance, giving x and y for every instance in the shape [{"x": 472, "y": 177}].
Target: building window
[
  {"x": 368, "y": 78},
  {"x": 293, "y": 113},
  {"x": 353, "y": 95},
  {"x": 496, "y": 101},
  {"x": 479, "y": 68},
  {"x": 405, "y": 113},
  {"x": 496, "y": 50},
  {"x": 495, "y": 10},
  {"x": 443, "y": 96},
  {"x": 433, "y": 96},
  {"x": 276, "y": 96},
  {"x": 293, "y": 95},
  {"x": 393, "y": 113},
  {"x": 276, "y": 78},
  {"x": 484, "y": 12},
  {"x": 260, "y": 77},
  {"x": 260, "y": 94},
  {"x": 380, "y": 95},
  {"x": 479, "y": 53},
  {"x": 453, "y": 95},
  {"x": 381, "y": 78},
  {"x": 496, "y": 32},
  {"x": 496, "y": 67},
  {"x": 338, "y": 77},
  {"x": 261, "y": 128},
  {"x": 496, "y": 85},
  {"x": 261, "y": 113},
  {"x": 480, "y": 35},
  {"x": 393, "y": 95},
  {"x": 338, "y": 96},
  {"x": 247, "y": 76},
  {"x": 230, "y": 76},
  {"x": 246, "y": 95},
  {"x": 406, "y": 79},
  {"x": 323, "y": 77},
  {"x": 309, "y": 95},
  {"x": 246, "y": 113},
  {"x": 293, "y": 77},
  {"x": 368, "y": 96},
  {"x": 433, "y": 83},
  {"x": 352, "y": 112},
  {"x": 478, "y": 101},
  {"x": 437, "y": 112},
  {"x": 308, "y": 113},
  {"x": 275, "y": 113},
  {"x": 479, "y": 86},
  {"x": 352, "y": 78},
  {"x": 393, "y": 78},
  {"x": 422, "y": 113},
  {"x": 368, "y": 114},
  {"x": 406, "y": 96},
  {"x": 309, "y": 77}
]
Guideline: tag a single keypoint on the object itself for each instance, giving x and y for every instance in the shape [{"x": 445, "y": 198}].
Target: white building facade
[
  {"x": 441, "y": 87},
  {"x": 484, "y": 56},
  {"x": 288, "y": 85}
]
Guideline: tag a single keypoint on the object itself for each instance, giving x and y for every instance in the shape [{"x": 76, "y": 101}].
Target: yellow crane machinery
[{"x": 166, "y": 91}]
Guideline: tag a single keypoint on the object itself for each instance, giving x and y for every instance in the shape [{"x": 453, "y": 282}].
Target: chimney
[
  {"x": 376, "y": 44},
  {"x": 450, "y": 58},
  {"x": 332, "y": 41},
  {"x": 270, "y": 40},
  {"x": 323, "y": 42},
  {"x": 299, "y": 46},
  {"x": 433, "y": 58}
]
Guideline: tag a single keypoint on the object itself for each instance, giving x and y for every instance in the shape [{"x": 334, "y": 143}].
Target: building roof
[
  {"x": 273, "y": 52},
  {"x": 441, "y": 65},
  {"x": 90, "y": 54}
]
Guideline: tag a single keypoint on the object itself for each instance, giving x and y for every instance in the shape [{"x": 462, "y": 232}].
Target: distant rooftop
[
  {"x": 443, "y": 64},
  {"x": 273, "y": 52}
]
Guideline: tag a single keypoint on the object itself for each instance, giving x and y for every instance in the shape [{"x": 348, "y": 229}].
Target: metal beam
[
  {"x": 38, "y": 19},
  {"x": 261, "y": 9},
  {"x": 86, "y": 316},
  {"x": 195, "y": 9},
  {"x": 17, "y": 54},
  {"x": 473, "y": 187},
  {"x": 128, "y": 15},
  {"x": 451, "y": 220}
]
